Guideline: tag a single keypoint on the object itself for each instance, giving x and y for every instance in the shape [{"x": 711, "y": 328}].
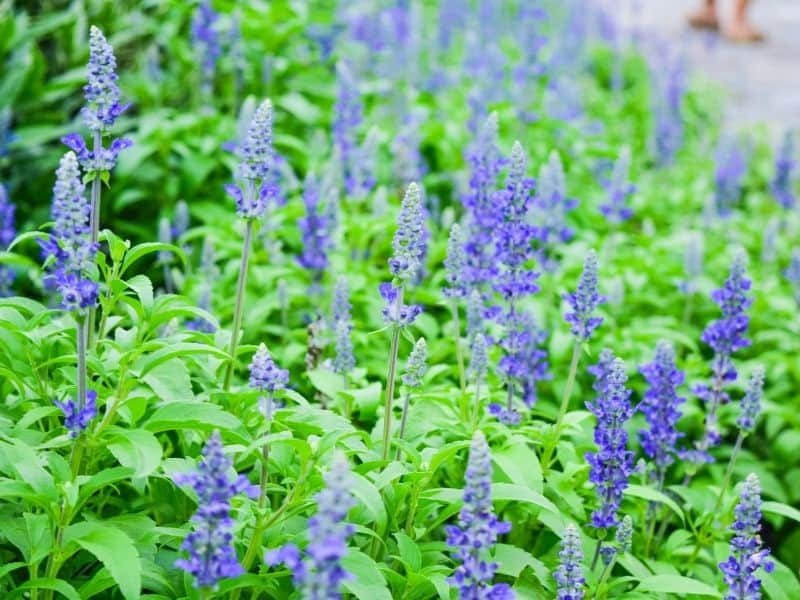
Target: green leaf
[
  {"x": 141, "y": 250},
  {"x": 170, "y": 381},
  {"x": 779, "y": 508},
  {"x": 199, "y": 416},
  {"x": 676, "y": 584},
  {"x": 147, "y": 363},
  {"x": 137, "y": 449},
  {"x": 640, "y": 491},
  {"x": 371, "y": 499},
  {"x": 519, "y": 493},
  {"x": 112, "y": 548},
  {"x": 368, "y": 583},
  {"x": 327, "y": 382},
  {"x": 409, "y": 551},
  {"x": 143, "y": 287},
  {"x": 519, "y": 463},
  {"x": 47, "y": 583}
]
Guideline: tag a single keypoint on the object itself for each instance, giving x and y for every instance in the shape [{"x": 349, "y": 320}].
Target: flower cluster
[
  {"x": 396, "y": 312},
  {"x": 661, "y": 407},
  {"x": 101, "y": 91},
  {"x": 315, "y": 228},
  {"x": 751, "y": 402},
  {"x": 265, "y": 375},
  {"x": 619, "y": 189},
  {"x": 348, "y": 117},
  {"x": 782, "y": 184},
  {"x": 692, "y": 262},
  {"x": 205, "y": 40},
  {"x": 210, "y": 544},
  {"x": 408, "y": 240},
  {"x": 345, "y": 361},
  {"x": 731, "y": 167},
  {"x": 77, "y": 419},
  {"x": 668, "y": 74},
  {"x": 70, "y": 244},
  {"x": 550, "y": 209},
  {"x": 477, "y": 530},
  {"x": 725, "y": 336},
  {"x": 320, "y": 574},
  {"x": 569, "y": 574},
  {"x": 7, "y": 233},
  {"x": 479, "y": 360},
  {"x": 417, "y": 364},
  {"x": 256, "y": 165},
  {"x": 485, "y": 161},
  {"x": 585, "y": 301},
  {"x": 455, "y": 264},
  {"x": 747, "y": 554},
  {"x": 612, "y": 464}
]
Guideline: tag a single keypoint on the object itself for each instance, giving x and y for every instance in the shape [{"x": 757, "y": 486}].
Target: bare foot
[
  {"x": 704, "y": 18},
  {"x": 741, "y": 32}
]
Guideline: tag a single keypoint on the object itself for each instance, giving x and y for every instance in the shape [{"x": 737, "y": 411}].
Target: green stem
[
  {"x": 551, "y": 443},
  {"x": 262, "y": 496},
  {"x": 237, "y": 314},
  {"x": 81, "y": 329},
  {"x": 476, "y": 413},
  {"x": 94, "y": 221},
  {"x": 604, "y": 575},
  {"x": 459, "y": 351},
  {"x": 596, "y": 553},
  {"x": 403, "y": 420},
  {"x": 390, "y": 376},
  {"x": 651, "y": 526}
]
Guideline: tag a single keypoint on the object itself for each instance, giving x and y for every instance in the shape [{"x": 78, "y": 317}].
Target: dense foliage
[{"x": 384, "y": 299}]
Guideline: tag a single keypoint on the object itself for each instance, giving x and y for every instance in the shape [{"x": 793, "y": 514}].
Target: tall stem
[
  {"x": 81, "y": 329},
  {"x": 387, "y": 413},
  {"x": 597, "y": 553},
  {"x": 403, "y": 420},
  {"x": 562, "y": 410},
  {"x": 237, "y": 314},
  {"x": 459, "y": 351},
  {"x": 729, "y": 471},
  {"x": 262, "y": 496},
  {"x": 477, "y": 409},
  {"x": 94, "y": 222}
]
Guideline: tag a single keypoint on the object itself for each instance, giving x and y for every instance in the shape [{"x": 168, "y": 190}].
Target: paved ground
[{"x": 763, "y": 80}]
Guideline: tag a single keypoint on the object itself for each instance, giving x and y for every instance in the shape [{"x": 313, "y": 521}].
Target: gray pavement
[{"x": 762, "y": 81}]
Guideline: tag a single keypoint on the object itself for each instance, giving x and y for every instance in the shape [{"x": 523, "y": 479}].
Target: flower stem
[
  {"x": 81, "y": 329},
  {"x": 547, "y": 455},
  {"x": 477, "y": 409},
  {"x": 94, "y": 221},
  {"x": 459, "y": 350},
  {"x": 237, "y": 314},
  {"x": 597, "y": 553},
  {"x": 403, "y": 420},
  {"x": 262, "y": 496},
  {"x": 387, "y": 413}
]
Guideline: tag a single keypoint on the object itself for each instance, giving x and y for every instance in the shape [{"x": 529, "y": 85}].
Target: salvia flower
[
  {"x": 624, "y": 535},
  {"x": 341, "y": 301},
  {"x": 417, "y": 364},
  {"x": 7, "y": 233},
  {"x": 348, "y": 118},
  {"x": 265, "y": 375},
  {"x": 345, "y": 360},
  {"x": 316, "y": 231},
  {"x": 479, "y": 360},
  {"x": 692, "y": 262},
  {"x": 569, "y": 574},
  {"x": 751, "y": 402},
  {"x": 792, "y": 273},
  {"x": 782, "y": 184},
  {"x": 396, "y": 312},
  {"x": 661, "y": 407},
  {"x": 455, "y": 264},
  {"x": 668, "y": 73},
  {"x": 619, "y": 189},
  {"x": 477, "y": 531},
  {"x": 210, "y": 545},
  {"x": 205, "y": 40},
  {"x": 77, "y": 419},
  {"x": 486, "y": 161},
  {"x": 725, "y": 336},
  {"x": 731, "y": 168},
  {"x": 180, "y": 219},
  {"x": 318, "y": 575},
  {"x": 70, "y": 244},
  {"x": 102, "y": 94},
  {"x": 612, "y": 464},
  {"x": 585, "y": 301},
  {"x": 747, "y": 553},
  {"x": 164, "y": 237},
  {"x": 256, "y": 161},
  {"x": 408, "y": 243},
  {"x": 550, "y": 209}
]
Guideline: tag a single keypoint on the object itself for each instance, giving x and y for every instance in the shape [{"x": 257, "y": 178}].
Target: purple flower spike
[
  {"x": 205, "y": 39},
  {"x": 619, "y": 189},
  {"x": 395, "y": 312},
  {"x": 569, "y": 574},
  {"x": 210, "y": 545},
  {"x": 661, "y": 407},
  {"x": 315, "y": 228},
  {"x": 612, "y": 464},
  {"x": 77, "y": 420},
  {"x": 7, "y": 234},
  {"x": 265, "y": 375},
  {"x": 320, "y": 574},
  {"x": 550, "y": 209},
  {"x": 585, "y": 301},
  {"x": 747, "y": 554},
  {"x": 782, "y": 184},
  {"x": 477, "y": 531},
  {"x": 102, "y": 92},
  {"x": 751, "y": 403}
]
